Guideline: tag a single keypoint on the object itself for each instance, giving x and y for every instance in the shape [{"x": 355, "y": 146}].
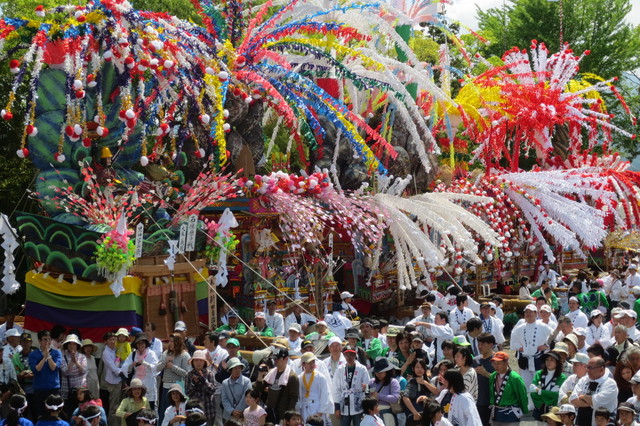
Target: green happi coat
[{"x": 514, "y": 394}]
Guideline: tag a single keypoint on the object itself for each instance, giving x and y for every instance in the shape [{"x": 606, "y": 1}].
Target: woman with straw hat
[
  {"x": 74, "y": 370},
  {"x": 133, "y": 403},
  {"x": 93, "y": 382}
]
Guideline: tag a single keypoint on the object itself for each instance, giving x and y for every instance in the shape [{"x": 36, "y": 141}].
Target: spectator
[
  {"x": 85, "y": 398},
  {"x": 233, "y": 390},
  {"x": 45, "y": 363},
  {"x": 175, "y": 413},
  {"x": 462, "y": 408},
  {"x": 199, "y": 383},
  {"x": 181, "y": 328},
  {"x": 484, "y": 368},
  {"x": 134, "y": 402},
  {"x": 254, "y": 414},
  {"x": 88, "y": 350},
  {"x": 385, "y": 389},
  {"x": 111, "y": 381},
  {"x": 156, "y": 344},
  {"x": 626, "y": 414},
  {"x": 567, "y": 414},
  {"x": 141, "y": 364},
  {"x": 123, "y": 347},
  {"x": 463, "y": 359},
  {"x": 174, "y": 366},
  {"x": 283, "y": 387},
  {"x": 416, "y": 388},
  {"x": 24, "y": 374}
]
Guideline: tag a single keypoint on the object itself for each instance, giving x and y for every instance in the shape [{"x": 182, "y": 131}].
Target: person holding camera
[{"x": 283, "y": 387}]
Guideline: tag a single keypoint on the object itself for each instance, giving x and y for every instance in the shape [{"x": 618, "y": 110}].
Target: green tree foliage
[{"x": 595, "y": 25}]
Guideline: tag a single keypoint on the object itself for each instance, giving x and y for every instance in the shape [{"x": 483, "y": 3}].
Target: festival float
[{"x": 285, "y": 155}]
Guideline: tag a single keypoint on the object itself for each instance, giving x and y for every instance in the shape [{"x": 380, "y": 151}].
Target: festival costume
[
  {"x": 567, "y": 388},
  {"x": 240, "y": 328},
  {"x": 440, "y": 333},
  {"x": 604, "y": 393},
  {"x": 276, "y": 322},
  {"x": 333, "y": 366},
  {"x": 265, "y": 331},
  {"x": 554, "y": 299},
  {"x": 297, "y": 368},
  {"x": 292, "y": 319},
  {"x": 315, "y": 395},
  {"x": 492, "y": 326},
  {"x": 173, "y": 411},
  {"x": 551, "y": 275},
  {"x": 529, "y": 337},
  {"x": 348, "y": 389},
  {"x": 338, "y": 323},
  {"x": 508, "y": 398},
  {"x": 545, "y": 391},
  {"x": 373, "y": 348},
  {"x": 592, "y": 300},
  {"x": 459, "y": 317},
  {"x": 597, "y": 334}
]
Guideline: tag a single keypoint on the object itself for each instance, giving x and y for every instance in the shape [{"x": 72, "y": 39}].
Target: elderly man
[
  {"x": 234, "y": 326},
  {"x": 529, "y": 340},
  {"x": 298, "y": 317},
  {"x": 579, "y": 367},
  {"x": 425, "y": 316},
  {"x": 335, "y": 359},
  {"x": 596, "y": 389},
  {"x": 491, "y": 324},
  {"x": 260, "y": 327},
  {"x": 628, "y": 319},
  {"x": 508, "y": 393}
]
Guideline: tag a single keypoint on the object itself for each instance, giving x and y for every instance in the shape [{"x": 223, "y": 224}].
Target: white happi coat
[
  {"x": 352, "y": 405},
  {"x": 320, "y": 400}
]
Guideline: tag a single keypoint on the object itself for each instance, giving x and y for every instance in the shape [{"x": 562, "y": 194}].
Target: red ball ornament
[
  {"x": 32, "y": 130},
  {"x": 86, "y": 142}
]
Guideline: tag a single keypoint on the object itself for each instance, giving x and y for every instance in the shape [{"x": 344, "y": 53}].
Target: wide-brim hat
[
  {"x": 89, "y": 342},
  {"x": 136, "y": 383},
  {"x": 381, "y": 365},
  {"x": 572, "y": 338},
  {"x": 72, "y": 338},
  {"x": 200, "y": 354},
  {"x": 552, "y": 415},
  {"x": 177, "y": 388},
  {"x": 142, "y": 338},
  {"x": 233, "y": 363}
]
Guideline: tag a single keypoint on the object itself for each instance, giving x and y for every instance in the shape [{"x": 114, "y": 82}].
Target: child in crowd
[
  {"x": 53, "y": 407},
  {"x": 123, "y": 347},
  {"x": 17, "y": 404},
  {"x": 254, "y": 415}
]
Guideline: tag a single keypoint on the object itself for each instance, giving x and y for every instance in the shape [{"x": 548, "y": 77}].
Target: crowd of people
[{"x": 570, "y": 360}]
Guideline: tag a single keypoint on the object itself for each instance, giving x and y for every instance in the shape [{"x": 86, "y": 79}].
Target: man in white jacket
[
  {"x": 315, "y": 392},
  {"x": 349, "y": 384},
  {"x": 597, "y": 389},
  {"x": 274, "y": 319}
]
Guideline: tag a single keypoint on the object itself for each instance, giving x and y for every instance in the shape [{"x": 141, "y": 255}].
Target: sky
[{"x": 465, "y": 11}]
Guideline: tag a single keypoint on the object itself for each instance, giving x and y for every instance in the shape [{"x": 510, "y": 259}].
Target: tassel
[
  {"x": 183, "y": 307},
  {"x": 163, "y": 308}
]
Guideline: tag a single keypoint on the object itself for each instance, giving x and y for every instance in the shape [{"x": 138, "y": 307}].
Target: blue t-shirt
[
  {"x": 45, "y": 378},
  {"x": 48, "y": 421},
  {"x": 21, "y": 422}
]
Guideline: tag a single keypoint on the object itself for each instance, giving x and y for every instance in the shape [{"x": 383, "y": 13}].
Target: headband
[
  {"x": 146, "y": 420},
  {"x": 194, "y": 410},
  {"x": 54, "y": 407},
  {"x": 21, "y": 409},
  {"x": 87, "y": 420}
]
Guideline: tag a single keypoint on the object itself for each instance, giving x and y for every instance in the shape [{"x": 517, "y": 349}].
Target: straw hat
[{"x": 89, "y": 342}]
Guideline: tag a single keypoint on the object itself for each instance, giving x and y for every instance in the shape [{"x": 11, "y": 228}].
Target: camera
[{"x": 264, "y": 369}]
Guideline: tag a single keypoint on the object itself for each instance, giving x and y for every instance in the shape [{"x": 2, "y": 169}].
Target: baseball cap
[
  {"x": 346, "y": 295},
  {"x": 307, "y": 343},
  {"x": 282, "y": 353},
  {"x": 12, "y": 332},
  {"x": 631, "y": 313},
  {"x": 578, "y": 357},
  {"x": 26, "y": 336},
  {"x": 334, "y": 339},
  {"x": 545, "y": 308},
  {"x": 461, "y": 341},
  {"x": 633, "y": 266},
  {"x": 636, "y": 378},
  {"x": 349, "y": 348},
  {"x": 595, "y": 313},
  {"x": 531, "y": 307},
  {"x": 233, "y": 341},
  {"x": 295, "y": 327},
  {"x": 180, "y": 326},
  {"x": 500, "y": 356},
  {"x": 259, "y": 315},
  {"x": 308, "y": 357},
  {"x": 567, "y": 409},
  {"x": 579, "y": 331}
]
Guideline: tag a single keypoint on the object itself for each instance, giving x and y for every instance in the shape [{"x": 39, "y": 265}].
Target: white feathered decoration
[{"x": 417, "y": 221}]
